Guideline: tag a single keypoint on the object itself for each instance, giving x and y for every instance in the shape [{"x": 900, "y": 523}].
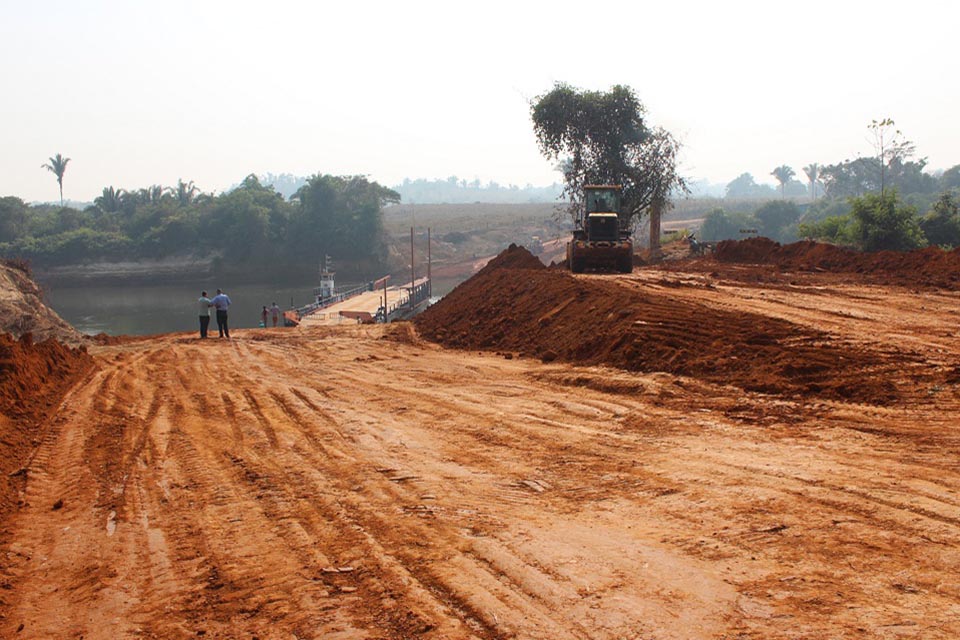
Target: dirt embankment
[
  {"x": 33, "y": 379},
  {"x": 22, "y": 309},
  {"x": 36, "y": 368},
  {"x": 516, "y": 305},
  {"x": 930, "y": 267}
]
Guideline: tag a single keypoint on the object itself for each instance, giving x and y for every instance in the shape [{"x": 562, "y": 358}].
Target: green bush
[
  {"x": 722, "y": 225},
  {"x": 941, "y": 224}
]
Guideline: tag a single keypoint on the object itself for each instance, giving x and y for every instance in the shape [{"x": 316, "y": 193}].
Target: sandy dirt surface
[{"x": 361, "y": 482}]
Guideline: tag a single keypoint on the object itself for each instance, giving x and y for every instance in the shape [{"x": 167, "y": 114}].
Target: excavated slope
[
  {"x": 516, "y": 305},
  {"x": 22, "y": 309},
  {"x": 931, "y": 267},
  {"x": 36, "y": 369}
]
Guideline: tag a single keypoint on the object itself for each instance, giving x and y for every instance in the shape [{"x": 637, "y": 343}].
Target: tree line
[
  {"x": 883, "y": 201},
  {"x": 251, "y": 230}
]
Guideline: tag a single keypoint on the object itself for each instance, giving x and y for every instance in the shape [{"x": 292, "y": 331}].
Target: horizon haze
[{"x": 210, "y": 92}]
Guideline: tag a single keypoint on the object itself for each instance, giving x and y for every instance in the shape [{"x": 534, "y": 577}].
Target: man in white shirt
[
  {"x": 204, "y": 303},
  {"x": 275, "y": 312}
]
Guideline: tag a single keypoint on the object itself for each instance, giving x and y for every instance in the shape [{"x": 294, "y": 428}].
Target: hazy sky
[{"x": 141, "y": 93}]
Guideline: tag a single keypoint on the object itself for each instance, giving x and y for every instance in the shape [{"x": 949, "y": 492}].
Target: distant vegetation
[
  {"x": 452, "y": 190},
  {"x": 251, "y": 230},
  {"x": 883, "y": 201},
  {"x": 279, "y": 225}
]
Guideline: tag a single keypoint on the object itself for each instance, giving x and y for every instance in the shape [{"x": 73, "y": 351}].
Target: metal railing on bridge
[{"x": 340, "y": 294}]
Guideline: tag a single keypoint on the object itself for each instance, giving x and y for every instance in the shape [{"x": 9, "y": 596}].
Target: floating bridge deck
[{"x": 365, "y": 303}]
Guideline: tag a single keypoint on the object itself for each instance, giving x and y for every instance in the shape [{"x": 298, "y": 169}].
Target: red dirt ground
[{"x": 765, "y": 456}]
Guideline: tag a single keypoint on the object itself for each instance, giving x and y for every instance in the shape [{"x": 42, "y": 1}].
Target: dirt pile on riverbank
[
  {"x": 22, "y": 309},
  {"x": 931, "y": 266},
  {"x": 514, "y": 306},
  {"x": 33, "y": 378}
]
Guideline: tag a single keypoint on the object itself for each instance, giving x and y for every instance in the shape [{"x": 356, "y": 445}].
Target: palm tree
[
  {"x": 111, "y": 201},
  {"x": 783, "y": 173},
  {"x": 57, "y": 166},
  {"x": 184, "y": 192},
  {"x": 813, "y": 172},
  {"x": 149, "y": 195}
]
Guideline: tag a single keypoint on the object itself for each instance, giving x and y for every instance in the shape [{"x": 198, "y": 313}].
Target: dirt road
[{"x": 337, "y": 483}]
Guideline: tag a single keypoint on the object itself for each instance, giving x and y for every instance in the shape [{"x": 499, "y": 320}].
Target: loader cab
[
  {"x": 602, "y": 199},
  {"x": 602, "y": 212}
]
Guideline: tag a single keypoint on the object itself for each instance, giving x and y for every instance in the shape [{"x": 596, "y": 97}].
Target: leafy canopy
[
  {"x": 941, "y": 225},
  {"x": 783, "y": 174},
  {"x": 876, "y": 222},
  {"x": 601, "y": 138}
]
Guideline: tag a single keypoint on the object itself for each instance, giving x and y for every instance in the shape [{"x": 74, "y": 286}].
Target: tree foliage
[
  {"x": 250, "y": 229},
  {"x": 783, "y": 174},
  {"x": 320, "y": 227},
  {"x": 725, "y": 225},
  {"x": 111, "y": 201},
  {"x": 13, "y": 218},
  {"x": 601, "y": 137},
  {"x": 950, "y": 178},
  {"x": 941, "y": 225},
  {"x": 875, "y": 222},
  {"x": 57, "y": 166},
  {"x": 812, "y": 171},
  {"x": 882, "y": 221},
  {"x": 775, "y": 218}
]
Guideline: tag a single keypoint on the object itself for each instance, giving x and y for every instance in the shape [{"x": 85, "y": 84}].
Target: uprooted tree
[{"x": 602, "y": 138}]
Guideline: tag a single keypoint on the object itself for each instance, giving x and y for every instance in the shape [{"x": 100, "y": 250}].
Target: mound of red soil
[
  {"x": 929, "y": 267},
  {"x": 513, "y": 257},
  {"x": 33, "y": 379},
  {"x": 515, "y": 306}
]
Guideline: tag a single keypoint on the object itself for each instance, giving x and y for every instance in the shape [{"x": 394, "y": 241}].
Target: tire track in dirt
[
  {"x": 269, "y": 492},
  {"x": 59, "y": 477},
  {"x": 482, "y": 565},
  {"x": 509, "y": 494},
  {"x": 264, "y": 423},
  {"x": 475, "y": 496},
  {"x": 232, "y": 522},
  {"x": 281, "y": 505}
]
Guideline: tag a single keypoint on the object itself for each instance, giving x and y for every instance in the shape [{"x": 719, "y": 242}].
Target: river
[{"x": 162, "y": 308}]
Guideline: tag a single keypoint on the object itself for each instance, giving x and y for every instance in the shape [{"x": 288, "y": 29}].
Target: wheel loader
[{"x": 600, "y": 242}]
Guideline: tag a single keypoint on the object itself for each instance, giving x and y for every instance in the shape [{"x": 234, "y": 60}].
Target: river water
[{"x": 163, "y": 308}]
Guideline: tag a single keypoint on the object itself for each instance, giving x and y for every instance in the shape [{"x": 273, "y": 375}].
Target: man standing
[
  {"x": 204, "y": 304},
  {"x": 275, "y": 312},
  {"x": 222, "y": 302}
]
